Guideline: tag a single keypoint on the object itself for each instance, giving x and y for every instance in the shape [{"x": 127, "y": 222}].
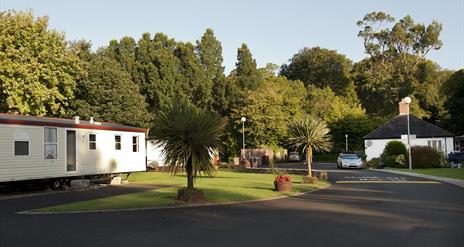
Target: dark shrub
[
  {"x": 373, "y": 163},
  {"x": 426, "y": 157},
  {"x": 394, "y": 155},
  {"x": 395, "y": 148},
  {"x": 387, "y": 160}
]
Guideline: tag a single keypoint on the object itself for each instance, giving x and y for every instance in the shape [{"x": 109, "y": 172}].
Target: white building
[
  {"x": 51, "y": 148},
  {"x": 155, "y": 157},
  {"x": 422, "y": 133}
]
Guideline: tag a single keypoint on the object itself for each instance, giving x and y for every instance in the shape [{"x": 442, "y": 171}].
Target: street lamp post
[
  {"x": 243, "y": 119},
  {"x": 346, "y": 142},
  {"x": 407, "y": 101}
]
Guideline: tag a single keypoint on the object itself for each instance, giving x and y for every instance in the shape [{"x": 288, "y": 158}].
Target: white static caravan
[{"x": 51, "y": 148}]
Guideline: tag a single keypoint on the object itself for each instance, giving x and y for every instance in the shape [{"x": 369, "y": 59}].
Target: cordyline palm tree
[
  {"x": 188, "y": 136},
  {"x": 310, "y": 134}
]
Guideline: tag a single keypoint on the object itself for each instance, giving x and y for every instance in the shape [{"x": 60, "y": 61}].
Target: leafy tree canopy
[
  {"x": 108, "y": 94},
  {"x": 319, "y": 67},
  {"x": 268, "y": 110},
  {"x": 454, "y": 89},
  {"x": 323, "y": 103},
  {"x": 37, "y": 68}
]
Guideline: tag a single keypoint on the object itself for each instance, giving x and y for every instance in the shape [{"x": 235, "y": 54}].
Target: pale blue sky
[{"x": 274, "y": 30}]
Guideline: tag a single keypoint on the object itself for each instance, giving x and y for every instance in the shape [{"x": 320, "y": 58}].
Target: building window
[
  {"x": 456, "y": 146},
  {"x": 92, "y": 141},
  {"x": 21, "y": 148},
  {"x": 117, "y": 142},
  {"x": 435, "y": 145},
  {"x": 50, "y": 143},
  {"x": 135, "y": 144}
]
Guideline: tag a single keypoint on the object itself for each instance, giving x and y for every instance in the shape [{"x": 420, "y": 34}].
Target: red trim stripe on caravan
[{"x": 66, "y": 125}]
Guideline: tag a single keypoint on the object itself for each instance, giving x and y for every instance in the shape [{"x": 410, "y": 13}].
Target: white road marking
[{"x": 375, "y": 178}]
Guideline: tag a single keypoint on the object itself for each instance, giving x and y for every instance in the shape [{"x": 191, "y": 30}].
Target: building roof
[
  {"x": 398, "y": 126},
  {"x": 63, "y": 122}
]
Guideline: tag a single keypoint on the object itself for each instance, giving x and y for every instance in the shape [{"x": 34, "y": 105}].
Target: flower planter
[{"x": 283, "y": 186}]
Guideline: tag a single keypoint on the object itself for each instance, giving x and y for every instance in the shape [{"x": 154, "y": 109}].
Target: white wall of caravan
[
  {"x": 105, "y": 159},
  {"x": 34, "y": 165}
]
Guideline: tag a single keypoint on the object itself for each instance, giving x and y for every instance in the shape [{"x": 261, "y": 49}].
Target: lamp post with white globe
[
  {"x": 346, "y": 143},
  {"x": 407, "y": 102},
  {"x": 243, "y": 119}
]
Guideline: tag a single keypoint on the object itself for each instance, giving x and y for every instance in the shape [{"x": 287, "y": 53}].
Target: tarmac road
[{"x": 361, "y": 208}]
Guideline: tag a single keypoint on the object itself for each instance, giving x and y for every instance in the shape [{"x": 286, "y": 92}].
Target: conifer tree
[{"x": 247, "y": 74}]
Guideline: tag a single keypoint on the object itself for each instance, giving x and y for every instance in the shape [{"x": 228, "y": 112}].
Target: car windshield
[{"x": 350, "y": 156}]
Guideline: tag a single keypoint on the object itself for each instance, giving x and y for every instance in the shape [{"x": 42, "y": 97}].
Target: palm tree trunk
[
  {"x": 189, "y": 170},
  {"x": 309, "y": 157}
]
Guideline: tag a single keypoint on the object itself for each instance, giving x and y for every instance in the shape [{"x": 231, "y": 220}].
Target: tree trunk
[
  {"x": 189, "y": 170},
  {"x": 309, "y": 157}
]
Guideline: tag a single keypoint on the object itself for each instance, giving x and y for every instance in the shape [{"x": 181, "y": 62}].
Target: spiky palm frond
[
  {"x": 310, "y": 132},
  {"x": 187, "y": 133}
]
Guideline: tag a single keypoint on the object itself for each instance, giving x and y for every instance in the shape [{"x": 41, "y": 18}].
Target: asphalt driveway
[{"x": 366, "y": 211}]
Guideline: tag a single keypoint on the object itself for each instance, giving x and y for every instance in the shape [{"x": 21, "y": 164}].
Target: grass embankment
[
  {"x": 439, "y": 172},
  {"x": 224, "y": 186}
]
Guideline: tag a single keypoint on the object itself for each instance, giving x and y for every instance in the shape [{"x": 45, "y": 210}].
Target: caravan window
[
  {"x": 117, "y": 142},
  {"x": 21, "y": 148},
  {"x": 50, "y": 143},
  {"x": 92, "y": 141},
  {"x": 21, "y": 143},
  {"x": 135, "y": 144}
]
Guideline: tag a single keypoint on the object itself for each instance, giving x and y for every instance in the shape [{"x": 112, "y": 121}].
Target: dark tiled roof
[
  {"x": 62, "y": 122},
  {"x": 398, "y": 126}
]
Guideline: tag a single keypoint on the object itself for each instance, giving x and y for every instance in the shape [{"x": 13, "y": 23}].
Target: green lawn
[
  {"x": 440, "y": 172},
  {"x": 224, "y": 186}
]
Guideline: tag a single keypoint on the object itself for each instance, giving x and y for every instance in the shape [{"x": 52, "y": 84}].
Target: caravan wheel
[{"x": 56, "y": 184}]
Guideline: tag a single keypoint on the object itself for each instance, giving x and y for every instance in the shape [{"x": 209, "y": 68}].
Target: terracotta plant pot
[{"x": 283, "y": 186}]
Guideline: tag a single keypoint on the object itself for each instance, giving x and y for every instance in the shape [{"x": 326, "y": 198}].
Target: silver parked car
[
  {"x": 349, "y": 161},
  {"x": 294, "y": 156}
]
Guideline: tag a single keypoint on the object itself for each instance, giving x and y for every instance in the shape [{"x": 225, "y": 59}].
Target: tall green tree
[
  {"x": 189, "y": 136},
  {"x": 146, "y": 74},
  {"x": 406, "y": 42},
  {"x": 309, "y": 134},
  {"x": 195, "y": 82},
  {"x": 209, "y": 50},
  {"x": 324, "y": 104},
  {"x": 454, "y": 89},
  {"x": 247, "y": 74},
  {"x": 38, "y": 70},
  {"x": 268, "y": 109},
  {"x": 108, "y": 94},
  {"x": 320, "y": 67},
  {"x": 396, "y": 54}
]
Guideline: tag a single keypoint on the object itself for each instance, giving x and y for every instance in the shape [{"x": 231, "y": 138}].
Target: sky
[{"x": 273, "y": 30}]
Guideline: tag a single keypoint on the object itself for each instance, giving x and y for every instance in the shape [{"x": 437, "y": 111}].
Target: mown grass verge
[
  {"x": 224, "y": 186},
  {"x": 439, "y": 172}
]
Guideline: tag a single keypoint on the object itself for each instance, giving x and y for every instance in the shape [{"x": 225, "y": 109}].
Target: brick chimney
[{"x": 403, "y": 107}]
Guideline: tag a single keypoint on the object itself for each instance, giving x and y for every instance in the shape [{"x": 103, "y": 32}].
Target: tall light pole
[
  {"x": 243, "y": 119},
  {"x": 407, "y": 101},
  {"x": 346, "y": 143}
]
